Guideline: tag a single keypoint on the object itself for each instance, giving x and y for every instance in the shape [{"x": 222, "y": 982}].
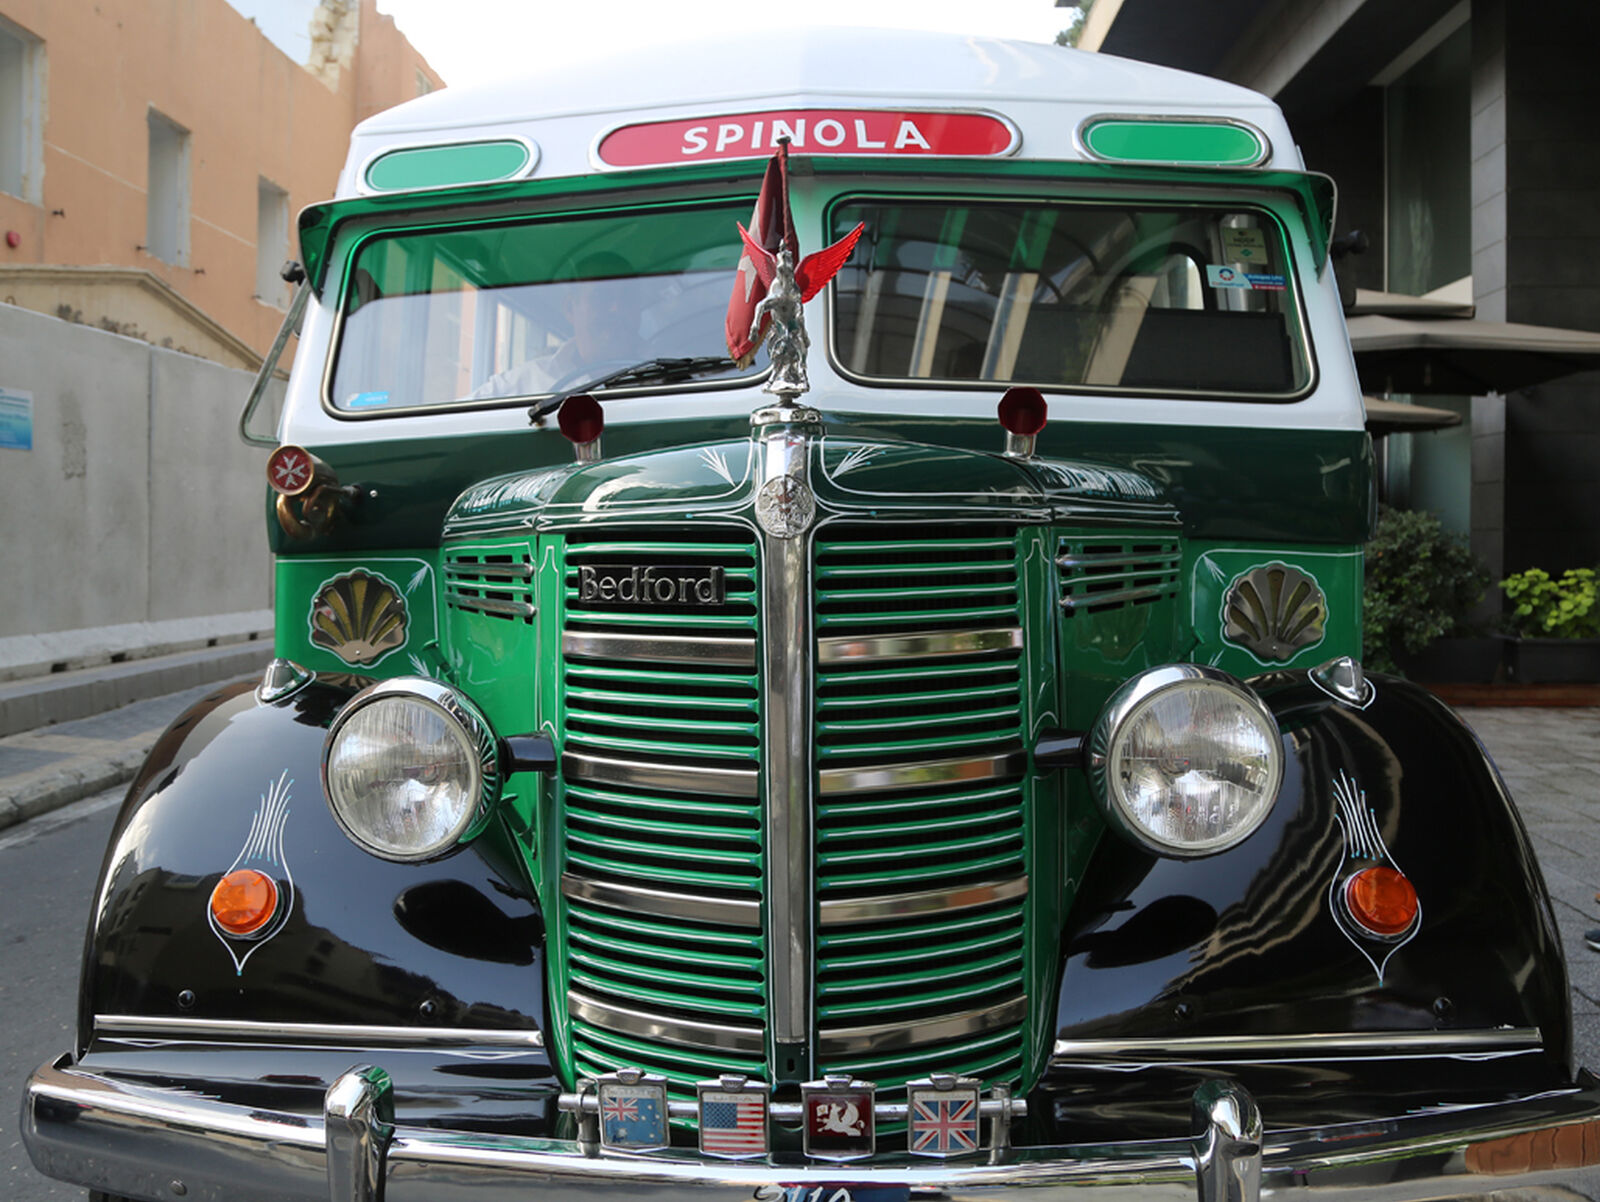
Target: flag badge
[
  {"x": 733, "y": 1117},
  {"x": 838, "y": 1117},
  {"x": 633, "y": 1111},
  {"x": 942, "y": 1115}
]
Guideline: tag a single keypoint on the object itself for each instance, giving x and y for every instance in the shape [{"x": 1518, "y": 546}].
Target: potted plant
[
  {"x": 1422, "y": 582},
  {"x": 1555, "y": 624}
]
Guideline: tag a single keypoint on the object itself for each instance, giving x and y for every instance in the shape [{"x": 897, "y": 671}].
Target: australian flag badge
[
  {"x": 633, "y": 1111},
  {"x": 942, "y": 1115}
]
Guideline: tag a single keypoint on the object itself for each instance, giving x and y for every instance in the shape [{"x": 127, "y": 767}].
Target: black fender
[
  {"x": 1252, "y": 941},
  {"x": 454, "y": 943}
]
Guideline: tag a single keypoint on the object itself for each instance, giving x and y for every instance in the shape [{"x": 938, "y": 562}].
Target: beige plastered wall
[{"x": 251, "y": 113}]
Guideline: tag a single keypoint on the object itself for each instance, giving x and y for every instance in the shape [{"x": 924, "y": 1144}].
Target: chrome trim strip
[
  {"x": 926, "y": 645},
  {"x": 967, "y": 769},
  {"x": 635, "y": 899},
  {"x": 645, "y": 774},
  {"x": 892, "y": 1037},
  {"x": 664, "y": 1028},
  {"x": 784, "y": 446},
  {"x": 1155, "y": 561},
  {"x": 848, "y": 911},
  {"x": 338, "y": 1034},
  {"x": 493, "y": 605},
  {"x": 1443, "y": 1043},
  {"x": 1086, "y": 600},
  {"x": 599, "y": 644},
  {"x": 457, "y": 571}
]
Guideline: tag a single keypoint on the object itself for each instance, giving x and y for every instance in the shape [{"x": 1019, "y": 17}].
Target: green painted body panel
[
  {"x": 413, "y": 576},
  {"x": 1210, "y": 567},
  {"x": 447, "y": 166},
  {"x": 1201, "y": 143},
  {"x": 1255, "y": 485}
]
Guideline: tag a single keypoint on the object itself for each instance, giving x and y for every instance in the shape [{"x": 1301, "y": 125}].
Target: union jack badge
[
  {"x": 942, "y": 1115},
  {"x": 633, "y": 1111},
  {"x": 838, "y": 1112},
  {"x": 733, "y": 1117}
]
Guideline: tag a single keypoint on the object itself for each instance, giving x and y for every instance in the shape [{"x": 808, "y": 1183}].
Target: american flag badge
[
  {"x": 838, "y": 1117},
  {"x": 733, "y": 1117},
  {"x": 633, "y": 1111},
  {"x": 942, "y": 1115}
]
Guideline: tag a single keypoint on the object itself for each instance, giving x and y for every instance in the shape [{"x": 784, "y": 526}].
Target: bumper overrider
[{"x": 160, "y": 1143}]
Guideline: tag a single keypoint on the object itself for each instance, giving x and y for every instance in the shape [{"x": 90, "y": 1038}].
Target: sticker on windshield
[
  {"x": 367, "y": 400},
  {"x": 1244, "y": 245},
  {"x": 1230, "y": 277}
]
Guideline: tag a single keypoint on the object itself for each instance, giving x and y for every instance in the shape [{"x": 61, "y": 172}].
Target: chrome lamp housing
[
  {"x": 1185, "y": 760},
  {"x": 411, "y": 769}
]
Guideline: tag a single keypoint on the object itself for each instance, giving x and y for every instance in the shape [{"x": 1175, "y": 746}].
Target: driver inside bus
[{"x": 602, "y": 304}]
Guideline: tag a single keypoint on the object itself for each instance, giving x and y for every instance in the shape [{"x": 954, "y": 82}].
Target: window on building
[
  {"x": 167, "y": 198},
  {"x": 272, "y": 242},
  {"x": 21, "y": 112}
]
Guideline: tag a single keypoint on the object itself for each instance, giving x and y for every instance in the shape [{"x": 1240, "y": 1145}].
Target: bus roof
[{"x": 832, "y": 91}]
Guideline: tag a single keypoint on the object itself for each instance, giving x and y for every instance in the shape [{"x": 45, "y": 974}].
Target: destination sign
[{"x": 810, "y": 131}]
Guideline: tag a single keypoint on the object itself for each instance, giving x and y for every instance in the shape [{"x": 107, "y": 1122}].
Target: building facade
[
  {"x": 1462, "y": 136},
  {"x": 153, "y": 154}
]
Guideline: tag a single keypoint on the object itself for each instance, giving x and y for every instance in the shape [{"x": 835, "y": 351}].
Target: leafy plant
[
  {"x": 1421, "y": 582},
  {"x": 1542, "y": 607}
]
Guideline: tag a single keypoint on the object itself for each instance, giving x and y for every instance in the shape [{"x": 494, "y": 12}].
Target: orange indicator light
[
  {"x": 1381, "y": 900},
  {"x": 244, "y": 901}
]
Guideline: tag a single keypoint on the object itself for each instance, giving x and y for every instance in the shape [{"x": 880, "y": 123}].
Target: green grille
[
  {"x": 918, "y": 704},
  {"x": 666, "y": 808}
]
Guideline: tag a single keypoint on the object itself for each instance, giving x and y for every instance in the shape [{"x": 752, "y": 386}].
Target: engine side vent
[
  {"x": 493, "y": 582},
  {"x": 1099, "y": 573}
]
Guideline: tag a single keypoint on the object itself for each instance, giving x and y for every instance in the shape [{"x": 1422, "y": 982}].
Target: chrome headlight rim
[
  {"x": 456, "y": 708},
  {"x": 1126, "y": 703}
]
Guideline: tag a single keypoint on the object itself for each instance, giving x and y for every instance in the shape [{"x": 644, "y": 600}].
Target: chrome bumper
[{"x": 158, "y": 1144}]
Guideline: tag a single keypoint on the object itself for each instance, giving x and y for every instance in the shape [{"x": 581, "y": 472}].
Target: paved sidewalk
[
  {"x": 1550, "y": 759},
  {"x": 52, "y": 766}
]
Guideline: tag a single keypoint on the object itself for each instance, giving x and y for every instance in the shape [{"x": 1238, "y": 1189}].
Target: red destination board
[{"x": 810, "y": 131}]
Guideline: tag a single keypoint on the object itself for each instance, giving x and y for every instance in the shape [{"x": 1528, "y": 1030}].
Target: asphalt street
[{"x": 1549, "y": 757}]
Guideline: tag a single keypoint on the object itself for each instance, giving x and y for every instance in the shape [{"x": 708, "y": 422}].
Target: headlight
[
  {"x": 1186, "y": 760},
  {"x": 410, "y": 768}
]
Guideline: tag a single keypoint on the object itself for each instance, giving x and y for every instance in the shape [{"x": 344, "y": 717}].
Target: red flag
[{"x": 771, "y": 225}]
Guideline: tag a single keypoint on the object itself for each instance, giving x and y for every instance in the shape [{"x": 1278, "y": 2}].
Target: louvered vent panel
[
  {"x": 1099, "y": 573},
  {"x": 919, "y": 741},
  {"x": 493, "y": 582},
  {"x": 663, "y": 835}
]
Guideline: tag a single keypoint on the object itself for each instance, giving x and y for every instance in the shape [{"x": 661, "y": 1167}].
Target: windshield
[
  {"x": 1154, "y": 298},
  {"x": 526, "y": 308}
]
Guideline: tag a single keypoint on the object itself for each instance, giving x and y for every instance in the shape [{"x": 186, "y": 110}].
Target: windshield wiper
[{"x": 650, "y": 371}]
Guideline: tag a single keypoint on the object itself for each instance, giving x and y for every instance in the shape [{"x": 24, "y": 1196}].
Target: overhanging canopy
[
  {"x": 1397, "y": 417},
  {"x": 1464, "y": 358}
]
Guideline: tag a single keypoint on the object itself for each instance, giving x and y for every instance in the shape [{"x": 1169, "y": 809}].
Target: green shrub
[
  {"x": 1553, "y": 609},
  {"x": 1420, "y": 585}
]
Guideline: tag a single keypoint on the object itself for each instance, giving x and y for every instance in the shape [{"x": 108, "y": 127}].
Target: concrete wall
[{"x": 137, "y": 506}]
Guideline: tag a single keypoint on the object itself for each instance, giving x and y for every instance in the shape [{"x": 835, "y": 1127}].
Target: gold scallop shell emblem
[
  {"x": 359, "y": 617},
  {"x": 1274, "y": 611}
]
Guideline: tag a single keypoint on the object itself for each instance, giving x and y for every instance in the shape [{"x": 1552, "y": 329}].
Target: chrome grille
[
  {"x": 921, "y": 878},
  {"x": 494, "y": 582},
  {"x": 663, "y": 840},
  {"x": 1100, "y": 573}
]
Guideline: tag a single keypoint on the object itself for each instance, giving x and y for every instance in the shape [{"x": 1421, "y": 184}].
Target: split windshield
[
  {"x": 1167, "y": 299},
  {"x": 1152, "y": 298},
  {"x": 512, "y": 310}
]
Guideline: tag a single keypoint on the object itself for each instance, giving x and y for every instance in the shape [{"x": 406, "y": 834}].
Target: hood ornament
[{"x": 771, "y": 289}]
